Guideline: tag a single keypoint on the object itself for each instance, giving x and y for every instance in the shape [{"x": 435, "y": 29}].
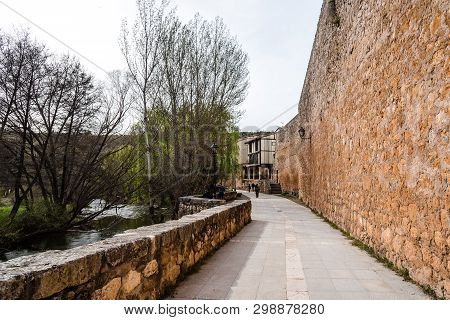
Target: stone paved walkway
[{"x": 287, "y": 252}]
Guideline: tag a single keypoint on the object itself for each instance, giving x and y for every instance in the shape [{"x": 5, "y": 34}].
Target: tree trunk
[
  {"x": 16, "y": 206},
  {"x": 148, "y": 161}
]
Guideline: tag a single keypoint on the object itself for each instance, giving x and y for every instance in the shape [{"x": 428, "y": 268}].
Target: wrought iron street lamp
[
  {"x": 212, "y": 188},
  {"x": 214, "y": 148},
  {"x": 302, "y": 134}
]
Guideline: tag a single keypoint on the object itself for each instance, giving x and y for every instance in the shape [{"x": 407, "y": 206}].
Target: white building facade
[{"x": 257, "y": 157}]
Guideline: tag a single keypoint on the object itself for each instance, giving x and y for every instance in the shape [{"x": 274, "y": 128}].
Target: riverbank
[{"x": 110, "y": 223}]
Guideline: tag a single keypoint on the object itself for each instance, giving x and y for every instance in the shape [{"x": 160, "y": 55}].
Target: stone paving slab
[{"x": 287, "y": 252}]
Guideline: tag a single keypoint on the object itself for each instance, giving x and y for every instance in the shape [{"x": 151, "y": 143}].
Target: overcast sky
[{"x": 277, "y": 34}]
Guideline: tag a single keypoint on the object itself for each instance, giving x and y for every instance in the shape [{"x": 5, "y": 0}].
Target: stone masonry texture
[
  {"x": 375, "y": 108},
  {"x": 193, "y": 204},
  {"x": 143, "y": 263}
]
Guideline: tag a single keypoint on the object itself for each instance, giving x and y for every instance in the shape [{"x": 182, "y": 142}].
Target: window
[{"x": 256, "y": 145}]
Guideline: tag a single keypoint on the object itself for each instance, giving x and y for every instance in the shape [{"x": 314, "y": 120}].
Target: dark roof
[
  {"x": 246, "y": 134},
  {"x": 259, "y": 137}
]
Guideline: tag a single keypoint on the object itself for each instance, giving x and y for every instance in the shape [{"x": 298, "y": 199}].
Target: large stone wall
[
  {"x": 375, "y": 108},
  {"x": 140, "y": 264}
]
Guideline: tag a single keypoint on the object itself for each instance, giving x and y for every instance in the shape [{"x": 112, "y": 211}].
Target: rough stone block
[
  {"x": 131, "y": 281},
  {"x": 151, "y": 268},
  {"x": 109, "y": 291}
]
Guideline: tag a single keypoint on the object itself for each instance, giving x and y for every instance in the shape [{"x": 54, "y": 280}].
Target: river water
[{"x": 111, "y": 222}]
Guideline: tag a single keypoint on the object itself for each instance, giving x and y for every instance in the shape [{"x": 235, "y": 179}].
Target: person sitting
[
  {"x": 210, "y": 192},
  {"x": 221, "y": 192}
]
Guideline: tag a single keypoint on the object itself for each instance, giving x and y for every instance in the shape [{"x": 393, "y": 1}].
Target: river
[{"x": 111, "y": 222}]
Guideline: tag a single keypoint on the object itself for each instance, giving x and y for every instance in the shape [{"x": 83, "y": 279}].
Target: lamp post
[
  {"x": 302, "y": 134},
  {"x": 214, "y": 148}
]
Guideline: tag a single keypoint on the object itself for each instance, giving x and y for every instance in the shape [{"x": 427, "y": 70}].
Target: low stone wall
[
  {"x": 143, "y": 263},
  {"x": 193, "y": 204},
  {"x": 231, "y": 195}
]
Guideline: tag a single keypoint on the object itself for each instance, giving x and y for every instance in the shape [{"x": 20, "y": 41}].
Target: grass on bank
[
  {"x": 4, "y": 214},
  {"x": 404, "y": 273},
  {"x": 40, "y": 217},
  {"x": 9, "y": 231}
]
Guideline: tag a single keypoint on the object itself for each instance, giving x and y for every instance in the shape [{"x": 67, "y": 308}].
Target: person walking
[
  {"x": 249, "y": 187},
  {"x": 257, "y": 190}
]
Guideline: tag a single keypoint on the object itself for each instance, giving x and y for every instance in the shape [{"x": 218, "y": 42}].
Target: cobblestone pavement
[{"x": 287, "y": 252}]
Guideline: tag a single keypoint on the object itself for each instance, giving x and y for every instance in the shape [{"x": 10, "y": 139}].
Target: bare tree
[
  {"x": 14, "y": 62},
  {"x": 21, "y": 68},
  {"x": 140, "y": 46},
  {"x": 61, "y": 133},
  {"x": 218, "y": 69},
  {"x": 204, "y": 77},
  {"x": 173, "y": 66},
  {"x": 189, "y": 79}
]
